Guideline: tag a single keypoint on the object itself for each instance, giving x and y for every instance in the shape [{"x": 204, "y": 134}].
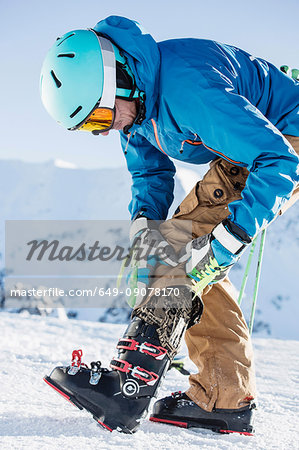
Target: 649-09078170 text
[{"x": 112, "y": 292}]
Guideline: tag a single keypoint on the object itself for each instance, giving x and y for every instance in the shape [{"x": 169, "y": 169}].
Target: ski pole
[
  {"x": 246, "y": 273},
  {"x": 257, "y": 279}
]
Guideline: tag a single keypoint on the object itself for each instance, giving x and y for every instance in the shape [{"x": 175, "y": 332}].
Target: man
[{"x": 197, "y": 101}]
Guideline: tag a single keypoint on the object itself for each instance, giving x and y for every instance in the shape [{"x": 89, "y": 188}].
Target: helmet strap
[
  {"x": 140, "y": 113},
  {"x": 141, "y": 109}
]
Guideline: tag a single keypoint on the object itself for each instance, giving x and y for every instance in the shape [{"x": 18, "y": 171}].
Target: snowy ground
[{"x": 32, "y": 415}]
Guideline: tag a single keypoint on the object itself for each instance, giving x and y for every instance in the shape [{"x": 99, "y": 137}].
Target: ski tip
[
  {"x": 67, "y": 397},
  {"x": 63, "y": 394}
]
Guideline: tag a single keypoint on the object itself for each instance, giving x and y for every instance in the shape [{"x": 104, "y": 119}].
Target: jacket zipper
[
  {"x": 128, "y": 140},
  {"x": 189, "y": 141},
  {"x": 223, "y": 155},
  {"x": 181, "y": 149},
  {"x": 156, "y": 136},
  {"x": 209, "y": 148},
  {"x": 192, "y": 143}
]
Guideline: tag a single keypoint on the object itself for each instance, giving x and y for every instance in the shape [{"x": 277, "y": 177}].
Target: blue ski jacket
[{"x": 204, "y": 100}]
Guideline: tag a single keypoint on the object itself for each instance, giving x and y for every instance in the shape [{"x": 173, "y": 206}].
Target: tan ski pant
[{"x": 220, "y": 344}]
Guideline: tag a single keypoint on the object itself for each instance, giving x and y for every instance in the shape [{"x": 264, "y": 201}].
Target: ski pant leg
[{"x": 220, "y": 346}]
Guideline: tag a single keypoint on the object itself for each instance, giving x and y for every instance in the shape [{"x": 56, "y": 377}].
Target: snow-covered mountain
[
  {"x": 50, "y": 191},
  {"x": 35, "y": 416},
  {"x": 58, "y": 190}
]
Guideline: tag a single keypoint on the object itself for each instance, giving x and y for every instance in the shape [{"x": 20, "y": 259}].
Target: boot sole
[
  {"x": 80, "y": 405},
  {"x": 192, "y": 424}
]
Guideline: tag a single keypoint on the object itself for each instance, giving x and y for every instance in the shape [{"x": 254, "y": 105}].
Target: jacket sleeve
[
  {"x": 152, "y": 178},
  {"x": 230, "y": 126}
]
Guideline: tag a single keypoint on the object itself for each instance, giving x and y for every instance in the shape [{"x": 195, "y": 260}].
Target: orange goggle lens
[{"x": 101, "y": 119}]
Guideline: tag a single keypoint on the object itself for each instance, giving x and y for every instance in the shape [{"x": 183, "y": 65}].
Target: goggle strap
[{"x": 126, "y": 93}]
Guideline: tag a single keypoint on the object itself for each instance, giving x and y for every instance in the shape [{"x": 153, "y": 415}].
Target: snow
[
  {"x": 64, "y": 164},
  {"x": 188, "y": 177},
  {"x": 33, "y": 415}
]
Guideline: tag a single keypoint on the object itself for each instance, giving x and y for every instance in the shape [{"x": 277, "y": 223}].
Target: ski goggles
[{"x": 101, "y": 118}]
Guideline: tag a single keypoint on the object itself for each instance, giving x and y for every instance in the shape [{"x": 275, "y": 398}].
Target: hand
[
  {"x": 209, "y": 257},
  {"x": 148, "y": 248}
]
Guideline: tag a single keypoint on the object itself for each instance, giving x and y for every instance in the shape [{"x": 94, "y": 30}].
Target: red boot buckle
[
  {"x": 121, "y": 365},
  {"x": 122, "y": 344},
  {"x": 76, "y": 358},
  {"x": 76, "y": 362},
  {"x": 149, "y": 378},
  {"x": 153, "y": 350}
]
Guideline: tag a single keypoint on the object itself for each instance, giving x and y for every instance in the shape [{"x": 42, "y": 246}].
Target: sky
[{"x": 264, "y": 28}]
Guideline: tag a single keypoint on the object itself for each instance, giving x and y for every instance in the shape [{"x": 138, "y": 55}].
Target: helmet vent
[
  {"x": 57, "y": 82},
  {"x": 66, "y": 55},
  {"x": 76, "y": 112},
  {"x": 70, "y": 35}
]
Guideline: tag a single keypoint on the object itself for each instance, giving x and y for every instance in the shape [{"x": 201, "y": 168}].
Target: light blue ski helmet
[{"x": 79, "y": 74}]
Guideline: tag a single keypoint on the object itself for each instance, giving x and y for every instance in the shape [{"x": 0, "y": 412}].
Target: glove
[
  {"x": 209, "y": 257},
  {"x": 293, "y": 73},
  {"x": 148, "y": 248}
]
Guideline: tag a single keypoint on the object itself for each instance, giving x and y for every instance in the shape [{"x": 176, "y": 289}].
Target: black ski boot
[
  {"x": 180, "y": 411},
  {"x": 120, "y": 397}
]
